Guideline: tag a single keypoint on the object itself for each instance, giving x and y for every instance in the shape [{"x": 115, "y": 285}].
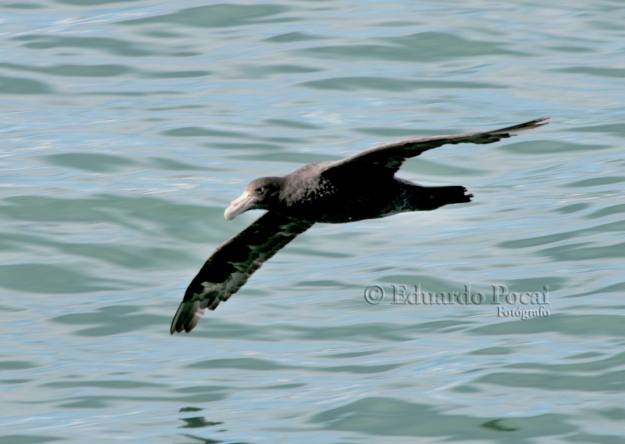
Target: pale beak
[{"x": 240, "y": 205}]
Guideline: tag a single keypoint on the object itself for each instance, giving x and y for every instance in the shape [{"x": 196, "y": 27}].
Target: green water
[{"x": 128, "y": 127}]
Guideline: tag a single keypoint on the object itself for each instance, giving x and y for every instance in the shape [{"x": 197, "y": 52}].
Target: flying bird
[{"x": 362, "y": 186}]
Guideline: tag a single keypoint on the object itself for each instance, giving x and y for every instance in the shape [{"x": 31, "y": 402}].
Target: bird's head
[{"x": 260, "y": 194}]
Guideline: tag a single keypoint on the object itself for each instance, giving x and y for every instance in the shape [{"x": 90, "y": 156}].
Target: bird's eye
[{"x": 260, "y": 190}]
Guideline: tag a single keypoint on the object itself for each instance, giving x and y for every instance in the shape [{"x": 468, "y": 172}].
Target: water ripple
[{"x": 127, "y": 128}]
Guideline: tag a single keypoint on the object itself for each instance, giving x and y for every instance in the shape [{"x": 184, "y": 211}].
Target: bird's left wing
[
  {"x": 389, "y": 157},
  {"x": 232, "y": 264}
]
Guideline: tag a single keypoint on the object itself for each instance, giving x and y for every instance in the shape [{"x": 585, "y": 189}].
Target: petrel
[{"x": 362, "y": 186}]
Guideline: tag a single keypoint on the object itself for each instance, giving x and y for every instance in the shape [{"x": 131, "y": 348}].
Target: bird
[{"x": 359, "y": 187}]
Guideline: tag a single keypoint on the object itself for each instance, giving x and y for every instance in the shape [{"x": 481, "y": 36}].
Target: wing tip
[
  {"x": 541, "y": 121},
  {"x": 535, "y": 123},
  {"x": 186, "y": 318}
]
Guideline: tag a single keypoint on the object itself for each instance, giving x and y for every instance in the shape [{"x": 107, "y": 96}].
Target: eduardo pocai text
[{"x": 509, "y": 304}]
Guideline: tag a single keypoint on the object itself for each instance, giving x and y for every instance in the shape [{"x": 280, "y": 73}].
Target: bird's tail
[{"x": 430, "y": 198}]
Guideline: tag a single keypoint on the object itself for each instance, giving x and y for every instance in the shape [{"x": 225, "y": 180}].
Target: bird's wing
[
  {"x": 389, "y": 157},
  {"x": 232, "y": 263}
]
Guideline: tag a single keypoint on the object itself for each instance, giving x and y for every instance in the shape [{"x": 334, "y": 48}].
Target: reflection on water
[{"x": 128, "y": 128}]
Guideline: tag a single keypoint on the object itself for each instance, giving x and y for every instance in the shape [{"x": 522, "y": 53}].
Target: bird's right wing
[
  {"x": 232, "y": 264},
  {"x": 389, "y": 157}
]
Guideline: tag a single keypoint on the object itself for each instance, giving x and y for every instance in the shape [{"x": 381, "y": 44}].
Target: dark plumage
[{"x": 359, "y": 187}]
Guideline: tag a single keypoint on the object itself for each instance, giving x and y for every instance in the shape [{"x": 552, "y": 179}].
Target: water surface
[{"x": 127, "y": 128}]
